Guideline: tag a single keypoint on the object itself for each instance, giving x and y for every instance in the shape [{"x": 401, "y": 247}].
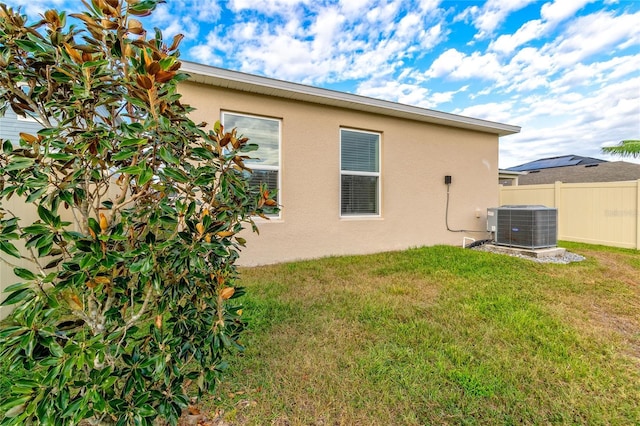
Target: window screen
[
  {"x": 360, "y": 173},
  {"x": 265, "y": 162}
]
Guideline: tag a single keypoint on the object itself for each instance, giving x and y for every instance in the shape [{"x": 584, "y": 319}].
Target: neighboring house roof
[
  {"x": 509, "y": 177},
  {"x": 299, "y": 92},
  {"x": 553, "y": 162},
  {"x": 594, "y": 172},
  {"x": 509, "y": 174}
]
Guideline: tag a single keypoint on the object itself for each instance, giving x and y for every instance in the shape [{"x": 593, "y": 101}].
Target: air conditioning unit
[{"x": 530, "y": 227}]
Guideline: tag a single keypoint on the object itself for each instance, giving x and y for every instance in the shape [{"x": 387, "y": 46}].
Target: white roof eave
[
  {"x": 235, "y": 80},
  {"x": 506, "y": 173}
]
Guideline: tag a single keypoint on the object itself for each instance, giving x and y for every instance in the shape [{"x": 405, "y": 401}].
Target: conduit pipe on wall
[{"x": 448, "y": 181}]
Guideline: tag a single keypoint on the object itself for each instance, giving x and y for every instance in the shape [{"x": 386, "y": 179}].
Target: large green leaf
[
  {"x": 175, "y": 174},
  {"x": 25, "y": 274},
  {"x": 10, "y": 249},
  {"x": 19, "y": 163},
  {"x": 30, "y": 46},
  {"x": 17, "y": 296},
  {"x": 145, "y": 176},
  {"x": 167, "y": 156},
  {"x": 131, "y": 170},
  {"x": 45, "y": 214},
  {"x": 14, "y": 402},
  {"x": 35, "y": 195}
]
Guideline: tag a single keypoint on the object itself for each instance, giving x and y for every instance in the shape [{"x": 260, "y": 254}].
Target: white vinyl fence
[{"x": 597, "y": 213}]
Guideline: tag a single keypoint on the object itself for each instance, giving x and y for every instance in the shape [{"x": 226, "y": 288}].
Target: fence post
[
  {"x": 638, "y": 214},
  {"x": 557, "y": 191}
]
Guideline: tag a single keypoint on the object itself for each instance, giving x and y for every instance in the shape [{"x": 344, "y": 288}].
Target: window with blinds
[
  {"x": 265, "y": 162},
  {"x": 359, "y": 173}
]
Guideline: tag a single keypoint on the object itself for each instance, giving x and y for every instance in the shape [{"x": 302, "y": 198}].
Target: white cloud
[
  {"x": 429, "y": 5},
  {"x": 552, "y": 13},
  {"x": 529, "y": 69},
  {"x": 484, "y": 92},
  {"x": 595, "y": 34},
  {"x": 205, "y": 55},
  {"x": 406, "y": 93},
  {"x": 432, "y": 37},
  {"x": 170, "y": 24},
  {"x": 354, "y": 7},
  {"x": 574, "y": 123},
  {"x": 392, "y": 90},
  {"x": 326, "y": 29},
  {"x": 568, "y": 74},
  {"x": 456, "y": 65},
  {"x": 600, "y": 73},
  {"x": 507, "y": 43},
  {"x": 564, "y": 62},
  {"x": 491, "y": 15},
  {"x": 317, "y": 42},
  {"x": 201, "y": 10},
  {"x": 501, "y": 112},
  {"x": 386, "y": 13},
  {"x": 559, "y": 10},
  {"x": 34, "y": 8},
  {"x": 445, "y": 64},
  {"x": 408, "y": 24},
  {"x": 439, "y": 98},
  {"x": 265, "y": 6}
]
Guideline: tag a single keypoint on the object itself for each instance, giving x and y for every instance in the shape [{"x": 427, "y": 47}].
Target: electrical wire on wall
[{"x": 447, "y": 181}]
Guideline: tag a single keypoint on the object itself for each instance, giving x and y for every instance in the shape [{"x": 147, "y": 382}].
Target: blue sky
[{"x": 567, "y": 71}]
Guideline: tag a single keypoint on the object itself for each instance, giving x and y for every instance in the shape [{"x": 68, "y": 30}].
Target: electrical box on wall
[
  {"x": 447, "y": 180},
  {"x": 492, "y": 219}
]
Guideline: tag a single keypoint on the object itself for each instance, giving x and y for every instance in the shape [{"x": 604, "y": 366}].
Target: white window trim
[
  {"x": 253, "y": 166},
  {"x": 377, "y": 174},
  {"x": 27, "y": 117}
]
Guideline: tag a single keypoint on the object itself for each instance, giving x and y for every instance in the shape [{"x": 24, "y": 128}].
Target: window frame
[
  {"x": 256, "y": 166},
  {"x": 27, "y": 117},
  {"x": 377, "y": 174}
]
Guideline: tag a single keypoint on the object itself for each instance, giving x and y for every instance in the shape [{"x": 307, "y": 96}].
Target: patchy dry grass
[{"x": 440, "y": 335}]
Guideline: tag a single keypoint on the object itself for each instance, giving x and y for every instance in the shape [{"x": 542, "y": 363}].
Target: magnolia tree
[{"x": 129, "y": 306}]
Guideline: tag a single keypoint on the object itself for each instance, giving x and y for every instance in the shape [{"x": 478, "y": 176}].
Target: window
[
  {"x": 359, "y": 173},
  {"x": 265, "y": 162},
  {"x": 27, "y": 117}
]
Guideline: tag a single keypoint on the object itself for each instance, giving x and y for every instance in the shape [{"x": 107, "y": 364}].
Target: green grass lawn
[{"x": 439, "y": 335}]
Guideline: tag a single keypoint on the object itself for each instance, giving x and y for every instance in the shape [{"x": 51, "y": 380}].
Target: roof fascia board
[
  {"x": 206, "y": 74},
  {"x": 504, "y": 172}
]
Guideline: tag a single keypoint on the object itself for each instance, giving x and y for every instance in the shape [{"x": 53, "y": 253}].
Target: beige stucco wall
[
  {"x": 415, "y": 157},
  {"x": 28, "y": 215}
]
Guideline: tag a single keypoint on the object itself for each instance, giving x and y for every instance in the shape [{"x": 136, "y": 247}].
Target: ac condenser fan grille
[{"x": 527, "y": 226}]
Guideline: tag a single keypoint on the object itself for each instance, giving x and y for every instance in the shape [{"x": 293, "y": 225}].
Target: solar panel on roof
[
  {"x": 558, "y": 162},
  {"x": 521, "y": 168},
  {"x": 548, "y": 163}
]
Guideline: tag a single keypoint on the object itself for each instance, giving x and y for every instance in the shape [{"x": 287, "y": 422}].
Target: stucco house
[
  {"x": 354, "y": 174},
  {"x": 12, "y": 124}
]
